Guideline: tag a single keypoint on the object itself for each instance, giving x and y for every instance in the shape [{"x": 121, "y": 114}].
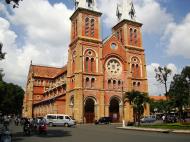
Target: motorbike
[
  {"x": 42, "y": 128},
  {"x": 27, "y": 129},
  {"x": 5, "y": 135}
]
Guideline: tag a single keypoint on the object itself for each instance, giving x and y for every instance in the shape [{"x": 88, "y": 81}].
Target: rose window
[{"x": 113, "y": 67}]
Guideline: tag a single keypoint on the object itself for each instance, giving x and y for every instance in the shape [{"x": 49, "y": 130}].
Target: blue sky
[{"x": 39, "y": 30}]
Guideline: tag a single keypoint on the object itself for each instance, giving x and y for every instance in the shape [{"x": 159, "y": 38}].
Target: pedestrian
[{"x": 163, "y": 118}]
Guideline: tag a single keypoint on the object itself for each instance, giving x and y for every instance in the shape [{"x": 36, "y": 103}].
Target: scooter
[
  {"x": 42, "y": 128},
  {"x": 27, "y": 129},
  {"x": 5, "y": 135}
]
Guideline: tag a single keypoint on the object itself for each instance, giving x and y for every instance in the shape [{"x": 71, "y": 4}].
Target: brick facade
[{"x": 98, "y": 72}]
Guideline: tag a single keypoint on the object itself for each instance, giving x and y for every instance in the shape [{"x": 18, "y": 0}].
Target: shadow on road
[{"x": 19, "y": 136}]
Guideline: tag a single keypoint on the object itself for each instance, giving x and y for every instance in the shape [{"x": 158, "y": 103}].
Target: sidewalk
[{"x": 155, "y": 130}]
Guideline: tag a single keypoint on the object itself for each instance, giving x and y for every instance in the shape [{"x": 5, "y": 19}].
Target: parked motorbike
[{"x": 27, "y": 129}]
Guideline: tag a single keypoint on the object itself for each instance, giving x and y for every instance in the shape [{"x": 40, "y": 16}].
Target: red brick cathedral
[{"x": 97, "y": 74}]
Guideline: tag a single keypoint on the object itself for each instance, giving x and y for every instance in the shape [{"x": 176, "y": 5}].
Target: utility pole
[{"x": 123, "y": 104}]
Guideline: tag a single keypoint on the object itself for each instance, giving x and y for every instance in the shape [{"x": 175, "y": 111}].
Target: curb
[{"x": 156, "y": 130}]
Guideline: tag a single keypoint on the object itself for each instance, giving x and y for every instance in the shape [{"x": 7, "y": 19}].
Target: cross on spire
[
  {"x": 118, "y": 12},
  {"x": 90, "y": 3},
  {"x": 76, "y": 3},
  {"x": 132, "y": 11}
]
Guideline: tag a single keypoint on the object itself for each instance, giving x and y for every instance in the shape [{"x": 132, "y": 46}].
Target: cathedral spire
[
  {"x": 88, "y": 4},
  {"x": 132, "y": 11},
  {"x": 125, "y": 10},
  {"x": 118, "y": 12},
  {"x": 76, "y": 2}
]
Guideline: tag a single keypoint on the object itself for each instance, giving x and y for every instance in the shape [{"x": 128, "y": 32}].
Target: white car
[{"x": 59, "y": 120}]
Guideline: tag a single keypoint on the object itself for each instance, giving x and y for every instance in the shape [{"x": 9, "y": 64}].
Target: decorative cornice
[
  {"x": 87, "y": 39},
  {"x": 84, "y": 10},
  {"x": 124, "y": 21},
  {"x": 134, "y": 48}
]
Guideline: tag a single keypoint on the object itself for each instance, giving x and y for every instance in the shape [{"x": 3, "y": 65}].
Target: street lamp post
[
  {"x": 188, "y": 83},
  {"x": 122, "y": 95}
]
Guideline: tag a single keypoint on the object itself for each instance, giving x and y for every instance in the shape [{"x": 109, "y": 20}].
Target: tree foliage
[
  {"x": 161, "y": 106},
  {"x": 138, "y": 100},
  {"x": 179, "y": 92},
  {"x": 162, "y": 74},
  {"x": 11, "y": 98}
]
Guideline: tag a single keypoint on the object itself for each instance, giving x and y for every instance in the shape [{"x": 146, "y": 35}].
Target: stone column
[
  {"x": 121, "y": 112},
  {"x": 106, "y": 110}
]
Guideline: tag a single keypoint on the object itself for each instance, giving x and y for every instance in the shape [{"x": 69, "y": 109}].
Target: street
[{"x": 96, "y": 133}]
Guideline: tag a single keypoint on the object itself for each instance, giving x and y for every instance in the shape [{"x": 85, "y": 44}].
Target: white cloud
[
  {"x": 154, "y": 18},
  {"x": 155, "y": 88},
  {"x": 179, "y": 43},
  {"x": 45, "y": 34}
]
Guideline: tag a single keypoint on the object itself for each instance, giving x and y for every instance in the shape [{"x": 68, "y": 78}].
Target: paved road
[{"x": 96, "y": 133}]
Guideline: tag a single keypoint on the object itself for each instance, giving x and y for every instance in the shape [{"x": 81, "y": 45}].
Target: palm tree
[{"x": 138, "y": 100}]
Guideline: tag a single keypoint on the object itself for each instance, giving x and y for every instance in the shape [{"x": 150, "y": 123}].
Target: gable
[{"x": 112, "y": 46}]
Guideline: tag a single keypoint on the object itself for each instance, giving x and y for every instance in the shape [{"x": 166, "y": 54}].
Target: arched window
[
  {"x": 135, "y": 36},
  {"x": 109, "y": 84},
  {"x": 90, "y": 61},
  {"x": 93, "y": 82},
  {"x": 114, "y": 84},
  {"x": 87, "y": 82},
  {"x": 87, "y": 26},
  {"x": 117, "y": 34},
  {"x": 138, "y": 84},
  {"x": 86, "y": 64},
  {"x": 73, "y": 61},
  {"x": 92, "y": 65},
  {"x": 135, "y": 69},
  {"x": 121, "y": 35},
  {"x": 76, "y": 32},
  {"x": 72, "y": 101},
  {"x": 119, "y": 84},
  {"x": 92, "y": 27},
  {"x": 73, "y": 66},
  {"x": 131, "y": 36},
  {"x": 134, "y": 83}
]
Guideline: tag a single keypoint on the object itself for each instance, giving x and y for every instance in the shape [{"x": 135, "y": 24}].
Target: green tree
[
  {"x": 162, "y": 74},
  {"x": 178, "y": 93},
  {"x": 138, "y": 100},
  {"x": 162, "y": 106},
  {"x": 11, "y": 98},
  {"x": 186, "y": 75}
]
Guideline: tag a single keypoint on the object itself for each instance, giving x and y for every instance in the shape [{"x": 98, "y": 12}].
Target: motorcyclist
[
  {"x": 42, "y": 126},
  {"x": 26, "y": 127}
]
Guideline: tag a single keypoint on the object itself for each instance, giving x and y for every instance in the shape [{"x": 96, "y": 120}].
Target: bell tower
[
  {"x": 83, "y": 67},
  {"x": 85, "y": 21},
  {"x": 129, "y": 32}
]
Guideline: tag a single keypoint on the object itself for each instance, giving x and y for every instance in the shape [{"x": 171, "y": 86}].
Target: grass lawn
[{"x": 169, "y": 126}]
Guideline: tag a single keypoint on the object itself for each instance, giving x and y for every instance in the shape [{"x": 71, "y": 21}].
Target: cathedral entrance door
[
  {"x": 114, "y": 110},
  {"x": 89, "y": 111}
]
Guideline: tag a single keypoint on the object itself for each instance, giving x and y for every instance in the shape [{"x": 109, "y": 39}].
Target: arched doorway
[
  {"x": 89, "y": 111},
  {"x": 114, "y": 109}
]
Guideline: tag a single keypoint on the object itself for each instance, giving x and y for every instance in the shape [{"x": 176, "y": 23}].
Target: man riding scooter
[
  {"x": 26, "y": 127},
  {"x": 42, "y": 126}
]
